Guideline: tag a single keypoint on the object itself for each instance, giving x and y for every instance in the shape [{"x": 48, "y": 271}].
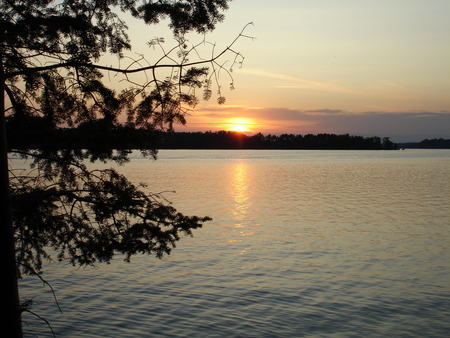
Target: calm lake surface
[{"x": 302, "y": 244}]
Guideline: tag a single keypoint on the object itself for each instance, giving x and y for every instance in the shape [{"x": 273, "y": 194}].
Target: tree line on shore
[
  {"x": 237, "y": 140},
  {"x": 36, "y": 136},
  {"x": 130, "y": 138},
  {"x": 436, "y": 143}
]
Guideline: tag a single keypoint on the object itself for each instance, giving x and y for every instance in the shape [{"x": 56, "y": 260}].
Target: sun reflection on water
[{"x": 240, "y": 194}]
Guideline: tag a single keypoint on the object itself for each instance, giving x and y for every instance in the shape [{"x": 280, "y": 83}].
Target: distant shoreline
[
  {"x": 237, "y": 140},
  {"x": 427, "y": 144},
  {"x": 101, "y": 137}
]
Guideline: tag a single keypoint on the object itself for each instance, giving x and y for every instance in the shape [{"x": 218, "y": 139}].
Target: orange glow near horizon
[{"x": 239, "y": 124}]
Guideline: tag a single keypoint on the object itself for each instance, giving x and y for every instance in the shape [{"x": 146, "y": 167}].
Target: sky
[{"x": 362, "y": 67}]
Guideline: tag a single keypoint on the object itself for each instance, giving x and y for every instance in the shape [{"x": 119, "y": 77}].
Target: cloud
[
  {"x": 399, "y": 126},
  {"x": 324, "y": 111},
  {"x": 293, "y": 82}
]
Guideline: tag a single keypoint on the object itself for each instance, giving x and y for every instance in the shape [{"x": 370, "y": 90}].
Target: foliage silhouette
[
  {"x": 53, "y": 76},
  {"x": 237, "y": 140},
  {"x": 428, "y": 144},
  {"x": 131, "y": 138}
]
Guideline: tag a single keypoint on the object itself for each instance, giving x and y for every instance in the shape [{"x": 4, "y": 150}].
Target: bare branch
[{"x": 128, "y": 70}]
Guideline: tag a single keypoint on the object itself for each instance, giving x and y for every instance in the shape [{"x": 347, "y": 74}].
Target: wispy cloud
[
  {"x": 368, "y": 90},
  {"x": 294, "y": 82}
]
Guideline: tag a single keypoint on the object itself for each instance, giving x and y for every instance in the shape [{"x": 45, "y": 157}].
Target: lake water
[{"x": 302, "y": 244}]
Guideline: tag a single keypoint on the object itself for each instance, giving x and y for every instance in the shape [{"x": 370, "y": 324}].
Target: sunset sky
[{"x": 335, "y": 66}]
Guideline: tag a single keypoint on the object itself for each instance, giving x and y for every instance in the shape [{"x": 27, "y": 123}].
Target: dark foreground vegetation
[
  {"x": 53, "y": 75},
  {"x": 131, "y": 138}
]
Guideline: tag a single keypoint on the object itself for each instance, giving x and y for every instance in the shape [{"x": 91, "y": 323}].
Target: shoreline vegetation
[
  {"x": 437, "y": 143},
  {"x": 238, "y": 140},
  {"x": 88, "y": 136}
]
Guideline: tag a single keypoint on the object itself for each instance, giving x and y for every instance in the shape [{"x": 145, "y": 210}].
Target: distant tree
[
  {"x": 52, "y": 76},
  {"x": 434, "y": 143},
  {"x": 388, "y": 144}
]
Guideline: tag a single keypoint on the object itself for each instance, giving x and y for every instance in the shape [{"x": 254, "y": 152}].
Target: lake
[{"x": 302, "y": 244}]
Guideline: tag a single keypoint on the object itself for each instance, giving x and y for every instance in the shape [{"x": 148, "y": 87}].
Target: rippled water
[{"x": 302, "y": 244}]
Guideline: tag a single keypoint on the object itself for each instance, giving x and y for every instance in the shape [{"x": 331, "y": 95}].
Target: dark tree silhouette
[
  {"x": 52, "y": 76},
  {"x": 237, "y": 140}
]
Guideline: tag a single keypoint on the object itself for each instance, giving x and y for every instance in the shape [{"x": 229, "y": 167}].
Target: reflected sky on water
[{"x": 302, "y": 244}]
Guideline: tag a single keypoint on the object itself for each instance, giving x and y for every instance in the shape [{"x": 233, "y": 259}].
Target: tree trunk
[{"x": 10, "y": 311}]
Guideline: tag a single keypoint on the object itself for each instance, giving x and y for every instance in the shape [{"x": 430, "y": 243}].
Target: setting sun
[
  {"x": 239, "y": 127},
  {"x": 239, "y": 124}
]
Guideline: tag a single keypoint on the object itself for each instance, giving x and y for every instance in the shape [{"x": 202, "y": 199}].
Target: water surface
[{"x": 302, "y": 244}]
